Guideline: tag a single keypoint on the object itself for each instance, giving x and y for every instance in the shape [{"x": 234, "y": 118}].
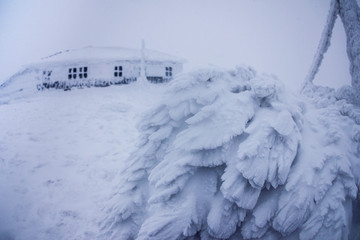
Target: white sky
[{"x": 278, "y": 37}]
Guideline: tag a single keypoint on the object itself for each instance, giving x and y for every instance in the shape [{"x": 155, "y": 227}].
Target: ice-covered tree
[
  {"x": 323, "y": 45},
  {"x": 350, "y": 15},
  {"x": 233, "y": 155}
]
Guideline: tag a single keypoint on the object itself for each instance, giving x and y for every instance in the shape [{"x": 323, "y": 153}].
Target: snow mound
[
  {"x": 20, "y": 85},
  {"x": 233, "y": 155}
]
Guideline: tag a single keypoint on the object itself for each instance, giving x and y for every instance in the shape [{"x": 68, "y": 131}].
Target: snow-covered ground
[{"x": 60, "y": 156}]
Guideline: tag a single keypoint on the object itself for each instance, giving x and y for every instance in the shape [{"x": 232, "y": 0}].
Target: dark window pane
[
  {"x": 85, "y": 75},
  {"x": 166, "y": 69},
  {"x": 120, "y": 74},
  {"x": 85, "y": 69},
  {"x": 170, "y": 68},
  {"x": 115, "y": 74},
  {"x": 116, "y": 68},
  {"x": 74, "y": 69},
  {"x": 80, "y": 75},
  {"x": 120, "y": 68},
  {"x": 70, "y": 70},
  {"x": 69, "y": 76},
  {"x": 170, "y": 74},
  {"x": 81, "y": 69},
  {"x": 74, "y": 76},
  {"x": 167, "y": 74}
]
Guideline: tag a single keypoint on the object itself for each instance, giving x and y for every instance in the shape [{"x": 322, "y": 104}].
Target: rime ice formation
[
  {"x": 232, "y": 155},
  {"x": 350, "y": 15},
  {"x": 324, "y": 42}
]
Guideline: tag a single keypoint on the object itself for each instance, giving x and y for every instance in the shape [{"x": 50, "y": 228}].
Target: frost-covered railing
[
  {"x": 158, "y": 79},
  {"x": 67, "y": 85}
]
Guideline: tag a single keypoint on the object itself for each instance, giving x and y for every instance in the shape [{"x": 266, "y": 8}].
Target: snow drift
[
  {"x": 60, "y": 154},
  {"x": 233, "y": 155}
]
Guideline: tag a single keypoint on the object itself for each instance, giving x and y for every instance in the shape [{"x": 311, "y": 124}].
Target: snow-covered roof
[{"x": 95, "y": 54}]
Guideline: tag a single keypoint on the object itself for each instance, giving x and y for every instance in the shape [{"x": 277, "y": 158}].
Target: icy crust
[{"x": 231, "y": 155}]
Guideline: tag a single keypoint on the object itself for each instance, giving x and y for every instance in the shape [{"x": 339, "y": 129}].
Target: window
[
  {"x": 72, "y": 73},
  {"x": 168, "y": 71},
  {"x": 47, "y": 75},
  {"x": 118, "y": 71},
  {"x": 82, "y": 73}
]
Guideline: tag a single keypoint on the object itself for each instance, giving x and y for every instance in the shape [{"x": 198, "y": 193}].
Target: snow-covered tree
[
  {"x": 323, "y": 45},
  {"x": 232, "y": 155},
  {"x": 350, "y": 15}
]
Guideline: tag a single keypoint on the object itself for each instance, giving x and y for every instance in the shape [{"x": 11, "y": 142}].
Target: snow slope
[{"x": 60, "y": 154}]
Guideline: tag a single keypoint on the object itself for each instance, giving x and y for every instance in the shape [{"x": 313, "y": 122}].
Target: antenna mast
[{"x": 143, "y": 78}]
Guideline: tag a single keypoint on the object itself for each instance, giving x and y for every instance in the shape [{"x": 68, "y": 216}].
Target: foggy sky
[{"x": 278, "y": 37}]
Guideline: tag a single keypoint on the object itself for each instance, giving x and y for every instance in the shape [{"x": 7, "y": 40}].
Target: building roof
[{"x": 104, "y": 54}]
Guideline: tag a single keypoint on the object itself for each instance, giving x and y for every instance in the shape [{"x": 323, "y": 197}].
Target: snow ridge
[{"x": 231, "y": 155}]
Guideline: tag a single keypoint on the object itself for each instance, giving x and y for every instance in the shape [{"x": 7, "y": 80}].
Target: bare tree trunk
[
  {"x": 323, "y": 44},
  {"x": 350, "y": 16}
]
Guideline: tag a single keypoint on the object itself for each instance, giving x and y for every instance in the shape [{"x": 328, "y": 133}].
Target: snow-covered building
[{"x": 103, "y": 66}]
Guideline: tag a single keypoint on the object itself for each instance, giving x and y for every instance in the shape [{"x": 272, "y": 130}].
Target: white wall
[{"x": 156, "y": 69}]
